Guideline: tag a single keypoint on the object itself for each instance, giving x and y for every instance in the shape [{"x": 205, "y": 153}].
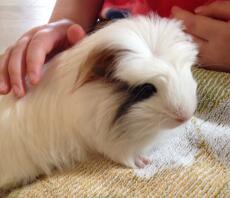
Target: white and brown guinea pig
[{"x": 110, "y": 94}]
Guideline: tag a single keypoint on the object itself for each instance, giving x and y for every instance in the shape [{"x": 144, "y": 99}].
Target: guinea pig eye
[{"x": 143, "y": 91}]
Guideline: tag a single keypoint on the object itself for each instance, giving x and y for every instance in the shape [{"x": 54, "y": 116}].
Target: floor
[{"x": 18, "y": 16}]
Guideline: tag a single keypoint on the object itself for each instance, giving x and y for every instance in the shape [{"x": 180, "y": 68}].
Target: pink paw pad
[{"x": 141, "y": 162}]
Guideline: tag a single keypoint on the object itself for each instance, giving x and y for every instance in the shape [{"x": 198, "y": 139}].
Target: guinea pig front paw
[
  {"x": 136, "y": 162},
  {"x": 133, "y": 161},
  {"x": 142, "y": 161}
]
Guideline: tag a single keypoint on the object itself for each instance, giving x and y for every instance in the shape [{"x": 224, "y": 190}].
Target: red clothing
[{"x": 162, "y": 7}]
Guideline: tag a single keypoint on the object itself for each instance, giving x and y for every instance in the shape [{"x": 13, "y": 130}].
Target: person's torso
[{"x": 123, "y": 8}]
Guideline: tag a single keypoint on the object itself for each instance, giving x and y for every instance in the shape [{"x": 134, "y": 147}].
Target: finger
[
  {"x": 4, "y": 77},
  {"x": 217, "y": 9},
  {"x": 212, "y": 62},
  {"x": 75, "y": 33},
  {"x": 41, "y": 44},
  {"x": 202, "y": 46},
  {"x": 16, "y": 67},
  {"x": 208, "y": 64},
  {"x": 4, "y": 63},
  {"x": 200, "y": 26},
  {"x": 31, "y": 32}
]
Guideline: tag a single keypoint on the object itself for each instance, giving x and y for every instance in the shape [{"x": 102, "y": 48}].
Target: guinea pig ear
[{"x": 100, "y": 64}]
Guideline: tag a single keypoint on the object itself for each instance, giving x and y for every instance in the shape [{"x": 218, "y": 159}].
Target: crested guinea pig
[{"x": 109, "y": 94}]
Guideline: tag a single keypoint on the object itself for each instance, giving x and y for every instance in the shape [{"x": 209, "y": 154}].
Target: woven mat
[{"x": 195, "y": 163}]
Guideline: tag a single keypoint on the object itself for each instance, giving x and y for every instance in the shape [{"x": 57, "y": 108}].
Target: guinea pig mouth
[
  {"x": 172, "y": 120},
  {"x": 180, "y": 115},
  {"x": 181, "y": 119},
  {"x": 171, "y": 124}
]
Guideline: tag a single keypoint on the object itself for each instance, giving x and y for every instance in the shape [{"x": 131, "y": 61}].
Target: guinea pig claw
[{"x": 141, "y": 161}]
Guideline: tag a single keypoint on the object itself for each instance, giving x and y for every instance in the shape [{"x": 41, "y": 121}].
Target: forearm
[{"x": 82, "y": 12}]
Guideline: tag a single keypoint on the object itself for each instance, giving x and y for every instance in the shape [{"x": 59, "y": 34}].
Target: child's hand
[
  {"x": 212, "y": 35},
  {"x": 28, "y": 54}
]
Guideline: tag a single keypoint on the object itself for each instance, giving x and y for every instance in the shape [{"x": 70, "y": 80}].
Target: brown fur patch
[{"x": 100, "y": 64}]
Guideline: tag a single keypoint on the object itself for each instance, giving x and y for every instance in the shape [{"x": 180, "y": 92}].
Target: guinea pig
[{"x": 110, "y": 94}]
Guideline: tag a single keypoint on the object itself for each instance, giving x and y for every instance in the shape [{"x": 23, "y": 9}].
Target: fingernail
[
  {"x": 3, "y": 86},
  {"x": 175, "y": 9},
  {"x": 33, "y": 77},
  {"x": 17, "y": 91},
  {"x": 199, "y": 9}
]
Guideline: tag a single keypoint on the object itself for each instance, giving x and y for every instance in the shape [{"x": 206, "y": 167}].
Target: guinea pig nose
[
  {"x": 182, "y": 114},
  {"x": 181, "y": 119}
]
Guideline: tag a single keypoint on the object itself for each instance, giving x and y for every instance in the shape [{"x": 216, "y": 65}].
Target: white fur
[
  {"x": 52, "y": 126},
  {"x": 180, "y": 147}
]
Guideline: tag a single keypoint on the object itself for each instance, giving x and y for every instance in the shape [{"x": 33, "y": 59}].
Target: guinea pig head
[{"x": 150, "y": 70}]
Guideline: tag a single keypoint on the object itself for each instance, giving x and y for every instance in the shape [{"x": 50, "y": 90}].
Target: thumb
[
  {"x": 75, "y": 33},
  {"x": 218, "y": 10}
]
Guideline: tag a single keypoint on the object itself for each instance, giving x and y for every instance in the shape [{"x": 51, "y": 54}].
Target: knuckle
[
  {"x": 216, "y": 3},
  {"x": 38, "y": 28},
  {"x": 7, "y": 52},
  {"x": 24, "y": 40},
  {"x": 211, "y": 8},
  {"x": 17, "y": 49},
  {"x": 41, "y": 35},
  {"x": 190, "y": 23},
  {"x": 14, "y": 73},
  {"x": 38, "y": 39},
  {"x": 9, "y": 49},
  {"x": 12, "y": 69},
  {"x": 34, "y": 30},
  {"x": 66, "y": 22},
  {"x": 14, "y": 81},
  {"x": 29, "y": 61}
]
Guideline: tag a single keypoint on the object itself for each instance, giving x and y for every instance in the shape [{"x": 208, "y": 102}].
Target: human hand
[
  {"x": 210, "y": 28},
  {"x": 28, "y": 54}
]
